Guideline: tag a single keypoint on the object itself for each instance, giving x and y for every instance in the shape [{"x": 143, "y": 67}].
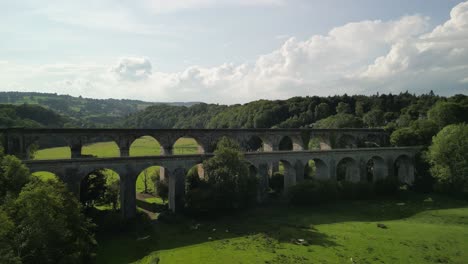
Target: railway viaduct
[{"x": 352, "y": 149}]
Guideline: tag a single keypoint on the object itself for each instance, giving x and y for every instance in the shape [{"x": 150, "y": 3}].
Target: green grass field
[{"x": 419, "y": 230}]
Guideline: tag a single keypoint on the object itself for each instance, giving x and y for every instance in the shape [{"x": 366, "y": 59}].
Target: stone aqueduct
[{"x": 353, "y": 148}]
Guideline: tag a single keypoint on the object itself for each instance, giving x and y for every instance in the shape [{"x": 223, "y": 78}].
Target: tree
[
  {"x": 419, "y": 133},
  {"x": 7, "y": 234},
  {"x": 112, "y": 193},
  {"x": 374, "y": 118},
  {"x": 50, "y": 227},
  {"x": 322, "y": 110},
  {"x": 343, "y": 108},
  {"x": 146, "y": 180},
  {"x": 13, "y": 176},
  {"x": 162, "y": 188},
  {"x": 228, "y": 177},
  {"x": 93, "y": 188},
  {"x": 404, "y": 137},
  {"x": 448, "y": 156},
  {"x": 340, "y": 121},
  {"x": 446, "y": 113}
]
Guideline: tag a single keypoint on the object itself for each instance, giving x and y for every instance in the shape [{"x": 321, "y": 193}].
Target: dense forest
[{"x": 412, "y": 119}]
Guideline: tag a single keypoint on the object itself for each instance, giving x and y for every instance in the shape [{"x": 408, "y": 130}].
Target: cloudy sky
[{"x": 233, "y": 51}]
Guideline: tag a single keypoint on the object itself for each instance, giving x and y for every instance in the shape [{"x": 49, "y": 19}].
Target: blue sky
[{"x": 233, "y": 51}]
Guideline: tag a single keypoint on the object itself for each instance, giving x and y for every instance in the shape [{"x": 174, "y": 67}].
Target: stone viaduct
[{"x": 344, "y": 148}]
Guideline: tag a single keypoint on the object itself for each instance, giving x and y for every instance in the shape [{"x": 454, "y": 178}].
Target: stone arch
[
  {"x": 145, "y": 146},
  {"x": 376, "y": 169},
  {"x": 404, "y": 169},
  {"x": 317, "y": 169},
  {"x": 347, "y": 141},
  {"x": 100, "y": 146},
  {"x": 90, "y": 191},
  {"x": 187, "y": 145},
  {"x": 286, "y": 143},
  {"x": 347, "y": 169},
  {"x": 254, "y": 144},
  {"x": 371, "y": 141},
  {"x": 319, "y": 142}
]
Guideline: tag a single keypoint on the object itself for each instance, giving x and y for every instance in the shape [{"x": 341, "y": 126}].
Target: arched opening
[
  {"x": 145, "y": 146},
  {"x": 254, "y": 144},
  {"x": 51, "y": 153},
  {"x": 289, "y": 174},
  {"x": 252, "y": 171},
  {"x": 152, "y": 189},
  {"x": 187, "y": 145},
  {"x": 45, "y": 176},
  {"x": 316, "y": 169},
  {"x": 100, "y": 189},
  {"x": 404, "y": 169},
  {"x": 285, "y": 143},
  {"x": 371, "y": 141},
  {"x": 101, "y": 147},
  {"x": 319, "y": 142},
  {"x": 376, "y": 169},
  {"x": 347, "y": 170},
  {"x": 347, "y": 141},
  {"x": 48, "y": 148}
]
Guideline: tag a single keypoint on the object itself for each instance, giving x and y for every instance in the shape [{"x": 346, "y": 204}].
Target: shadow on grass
[{"x": 270, "y": 224}]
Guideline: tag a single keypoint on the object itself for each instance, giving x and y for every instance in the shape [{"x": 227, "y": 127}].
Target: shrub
[
  {"x": 312, "y": 192},
  {"x": 277, "y": 182},
  {"x": 355, "y": 191},
  {"x": 386, "y": 187},
  {"x": 162, "y": 188}
]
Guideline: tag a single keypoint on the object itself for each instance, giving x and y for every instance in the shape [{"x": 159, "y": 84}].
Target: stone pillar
[
  {"x": 332, "y": 169},
  {"x": 162, "y": 173},
  {"x": 263, "y": 183},
  {"x": 75, "y": 149},
  {"x": 127, "y": 195},
  {"x": 177, "y": 190},
  {"x": 167, "y": 150},
  {"x": 124, "y": 143},
  {"x": 72, "y": 180},
  {"x": 299, "y": 167},
  {"x": 273, "y": 167},
  {"x": 289, "y": 177}
]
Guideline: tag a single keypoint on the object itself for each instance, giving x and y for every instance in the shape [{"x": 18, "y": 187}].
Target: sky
[{"x": 233, "y": 51}]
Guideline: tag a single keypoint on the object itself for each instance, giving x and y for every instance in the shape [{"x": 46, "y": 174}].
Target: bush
[
  {"x": 311, "y": 192},
  {"x": 277, "y": 182},
  {"x": 162, "y": 188},
  {"x": 386, "y": 187},
  {"x": 355, "y": 191}
]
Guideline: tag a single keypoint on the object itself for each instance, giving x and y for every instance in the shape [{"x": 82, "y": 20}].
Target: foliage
[
  {"x": 446, "y": 113},
  {"x": 386, "y": 187},
  {"x": 228, "y": 184},
  {"x": 355, "y": 190},
  {"x": 13, "y": 176},
  {"x": 50, "y": 227},
  {"x": 277, "y": 182},
  {"x": 93, "y": 188},
  {"x": 162, "y": 187},
  {"x": 340, "y": 121},
  {"x": 311, "y": 192},
  {"x": 7, "y": 234},
  {"x": 448, "y": 156},
  {"x": 419, "y": 133},
  {"x": 374, "y": 118},
  {"x": 112, "y": 193}
]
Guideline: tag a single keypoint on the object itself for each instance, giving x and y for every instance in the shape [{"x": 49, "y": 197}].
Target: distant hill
[
  {"x": 30, "y": 116},
  {"x": 84, "y": 112}
]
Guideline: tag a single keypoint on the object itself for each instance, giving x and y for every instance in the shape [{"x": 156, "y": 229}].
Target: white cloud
[
  {"x": 360, "y": 57},
  {"x": 132, "y": 69}
]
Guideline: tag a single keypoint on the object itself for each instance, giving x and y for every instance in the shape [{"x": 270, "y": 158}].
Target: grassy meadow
[{"x": 419, "y": 229}]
